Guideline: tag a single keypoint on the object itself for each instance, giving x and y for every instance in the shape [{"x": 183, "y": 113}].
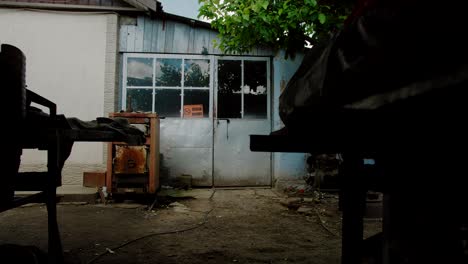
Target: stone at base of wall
[
  {"x": 72, "y": 173},
  {"x": 71, "y": 193},
  {"x": 77, "y": 193},
  {"x": 283, "y": 184}
]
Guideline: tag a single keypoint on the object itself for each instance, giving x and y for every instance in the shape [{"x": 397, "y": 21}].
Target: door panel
[
  {"x": 186, "y": 146},
  {"x": 242, "y": 100},
  {"x": 234, "y": 163}
]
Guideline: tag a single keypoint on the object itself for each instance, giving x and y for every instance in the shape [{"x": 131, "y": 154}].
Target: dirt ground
[{"x": 222, "y": 226}]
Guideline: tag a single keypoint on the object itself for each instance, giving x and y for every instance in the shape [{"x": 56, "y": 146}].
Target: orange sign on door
[{"x": 193, "y": 110}]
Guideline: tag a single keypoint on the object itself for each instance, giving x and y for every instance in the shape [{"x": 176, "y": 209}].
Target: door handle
[{"x": 227, "y": 125}]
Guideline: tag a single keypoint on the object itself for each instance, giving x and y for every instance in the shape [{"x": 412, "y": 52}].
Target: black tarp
[{"x": 391, "y": 51}]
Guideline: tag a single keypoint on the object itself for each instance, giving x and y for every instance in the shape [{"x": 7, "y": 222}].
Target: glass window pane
[
  {"x": 229, "y": 89},
  {"x": 255, "y": 89},
  {"x": 196, "y": 103},
  {"x": 140, "y": 72},
  {"x": 139, "y": 100},
  {"x": 197, "y": 73},
  {"x": 167, "y": 102},
  {"x": 168, "y": 72}
]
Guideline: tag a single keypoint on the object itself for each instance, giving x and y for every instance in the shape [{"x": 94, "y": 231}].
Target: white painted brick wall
[
  {"x": 72, "y": 174},
  {"x": 110, "y": 69}
]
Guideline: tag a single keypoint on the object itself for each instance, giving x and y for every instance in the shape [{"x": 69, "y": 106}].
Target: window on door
[
  {"x": 172, "y": 86},
  {"x": 243, "y": 88}
]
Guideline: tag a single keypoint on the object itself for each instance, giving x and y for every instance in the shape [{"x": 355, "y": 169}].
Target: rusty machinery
[{"x": 135, "y": 169}]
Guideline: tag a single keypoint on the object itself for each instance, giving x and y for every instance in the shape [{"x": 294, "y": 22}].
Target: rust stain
[{"x": 130, "y": 160}]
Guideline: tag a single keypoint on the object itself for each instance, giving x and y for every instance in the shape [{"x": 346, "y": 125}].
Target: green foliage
[{"x": 280, "y": 24}]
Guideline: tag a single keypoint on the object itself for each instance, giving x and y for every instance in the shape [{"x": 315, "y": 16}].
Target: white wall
[{"x": 65, "y": 62}]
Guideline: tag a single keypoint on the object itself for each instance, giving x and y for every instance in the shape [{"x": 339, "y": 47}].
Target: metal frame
[
  {"x": 213, "y": 83},
  {"x": 242, "y": 59},
  {"x": 181, "y": 88},
  {"x": 213, "y": 59},
  {"x": 268, "y": 118}
]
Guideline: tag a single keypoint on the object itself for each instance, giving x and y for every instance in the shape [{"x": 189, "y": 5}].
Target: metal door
[
  {"x": 242, "y": 107},
  {"x": 178, "y": 88}
]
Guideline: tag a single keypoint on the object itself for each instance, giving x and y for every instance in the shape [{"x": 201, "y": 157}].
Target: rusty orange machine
[{"x": 135, "y": 169}]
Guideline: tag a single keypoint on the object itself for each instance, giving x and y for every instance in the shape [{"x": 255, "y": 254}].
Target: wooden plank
[
  {"x": 191, "y": 41},
  {"x": 147, "y": 34},
  {"x": 109, "y": 167},
  {"x": 201, "y": 40},
  {"x": 94, "y": 179},
  {"x": 169, "y": 39},
  {"x": 137, "y": 120},
  {"x": 123, "y": 38},
  {"x": 180, "y": 38},
  {"x": 154, "y": 35},
  {"x": 131, "y": 38},
  {"x": 117, "y": 3},
  {"x": 135, "y": 115},
  {"x": 154, "y": 157},
  {"x": 161, "y": 37},
  {"x": 143, "y": 4},
  {"x": 139, "y": 32},
  {"x": 147, "y": 143},
  {"x": 150, "y": 4}
]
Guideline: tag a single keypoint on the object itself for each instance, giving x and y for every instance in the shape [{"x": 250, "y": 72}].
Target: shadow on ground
[{"x": 222, "y": 226}]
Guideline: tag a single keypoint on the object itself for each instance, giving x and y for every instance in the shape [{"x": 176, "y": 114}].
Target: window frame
[
  {"x": 154, "y": 88},
  {"x": 268, "y": 76}
]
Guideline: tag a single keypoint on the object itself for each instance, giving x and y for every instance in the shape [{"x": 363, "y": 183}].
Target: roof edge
[
  {"x": 186, "y": 20},
  {"x": 146, "y": 5},
  {"x": 68, "y": 7}
]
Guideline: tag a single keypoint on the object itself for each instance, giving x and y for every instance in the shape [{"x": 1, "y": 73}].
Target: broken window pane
[
  {"x": 255, "y": 89},
  {"x": 229, "y": 89},
  {"x": 197, "y": 73},
  {"x": 196, "y": 103},
  {"x": 140, "y": 72},
  {"x": 168, "y": 72},
  {"x": 139, "y": 100},
  {"x": 167, "y": 102}
]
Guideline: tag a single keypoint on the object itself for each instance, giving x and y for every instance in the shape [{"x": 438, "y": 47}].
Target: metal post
[
  {"x": 55, "y": 253},
  {"x": 353, "y": 202}
]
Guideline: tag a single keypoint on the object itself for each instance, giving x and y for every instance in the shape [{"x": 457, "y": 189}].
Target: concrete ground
[{"x": 199, "y": 226}]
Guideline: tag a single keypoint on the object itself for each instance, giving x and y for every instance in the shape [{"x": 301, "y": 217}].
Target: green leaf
[
  {"x": 311, "y": 2},
  {"x": 244, "y": 24},
  {"x": 245, "y": 14},
  {"x": 255, "y": 8},
  {"x": 322, "y": 18}
]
